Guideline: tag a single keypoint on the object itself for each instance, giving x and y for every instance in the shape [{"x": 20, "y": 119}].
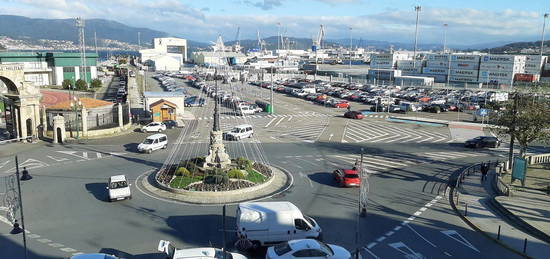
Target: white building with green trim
[{"x": 51, "y": 68}]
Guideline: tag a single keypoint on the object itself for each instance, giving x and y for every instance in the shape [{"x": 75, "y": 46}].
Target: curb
[
  {"x": 471, "y": 224},
  {"x": 477, "y": 229},
  {"x": 287, "y": 185},
  {"x": 517, "y": 221}
]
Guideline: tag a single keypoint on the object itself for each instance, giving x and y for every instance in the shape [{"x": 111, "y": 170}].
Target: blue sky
[{"x": 470, "y": 22}]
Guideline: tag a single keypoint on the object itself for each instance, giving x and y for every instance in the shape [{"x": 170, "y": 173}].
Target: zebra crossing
[
  {"x": 365, "y": 131},
  {"x": 376, "y": 164},
  {"x": 55, "y": 158},
  {"x": 305, "y": 129}
]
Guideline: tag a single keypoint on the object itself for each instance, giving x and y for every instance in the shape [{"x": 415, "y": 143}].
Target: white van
[
  {"x": 153, "y": 142},
  {"x": 265, "y": 223},
  {"x": 245, "y": 110},
  {"x": 118, "y": 188},
  {"x": 239, "y": 132}
]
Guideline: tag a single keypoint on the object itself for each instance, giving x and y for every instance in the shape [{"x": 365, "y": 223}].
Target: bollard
[
  {"x": 548, "y": 189},
  {"x": 525, "y": 246},
  {"x": 16, "y": 228},
  {"x": 457, "y": 197},
  {"x": 498, "y": 233},
  {"x": 466, "y": 209}
]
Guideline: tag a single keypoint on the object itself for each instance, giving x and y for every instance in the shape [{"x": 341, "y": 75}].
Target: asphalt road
[{"x": 66, "y": 211}]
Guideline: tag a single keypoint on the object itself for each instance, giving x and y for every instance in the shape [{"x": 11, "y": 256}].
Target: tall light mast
[
  {"x": 82, "y": 45},
  {"x": 417, "y": 9}
]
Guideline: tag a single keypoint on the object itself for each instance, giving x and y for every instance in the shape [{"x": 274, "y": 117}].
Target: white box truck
[{"x": 265, "y": 223}]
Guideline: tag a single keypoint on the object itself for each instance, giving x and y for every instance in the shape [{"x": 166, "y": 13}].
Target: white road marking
[
  {"x": 423, "y": 209},
  {"x": 330, "y": 136},
  {"x": 427, "y": 241},
  {"x": 380, "y": 239},
  {"x": 4, "y": 163},
  {"x": 44, "y": 240},
  {"x": 56, "y": 245},
  {"x": 371, "y": 253},
  {"x": 417, "y": 213},
  {"x": 269, "y": 123},
  {"x": 68, "y": 250},
  {"x": 397, "y": 228},
  {"x": 390, "y": 233},
  {"x": 278, "y": 122},
  {"x": 459, "y": 238},
  {"x": 58, "y": 159},
  {"x": 371, "y": 245},
  {"x": 408, "y": 252}
]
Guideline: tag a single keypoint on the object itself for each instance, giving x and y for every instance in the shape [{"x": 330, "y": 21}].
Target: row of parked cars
[
  {"x": 386, "y": 98},
  {"x": 169, "y": 83}
]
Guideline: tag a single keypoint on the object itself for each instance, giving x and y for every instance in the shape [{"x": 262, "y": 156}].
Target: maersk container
[
  {"x": 436, "y": 71},
  {"x": 464, "y": 73},
  {"x": 464, "y": 58},
  {"x": 437, "y": 57},
  {"x": 465, "y": 65},
  {"x": 503, "y": 59}
]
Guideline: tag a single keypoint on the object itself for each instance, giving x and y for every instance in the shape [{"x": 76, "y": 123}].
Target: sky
[{"x": 469, "y": 21}]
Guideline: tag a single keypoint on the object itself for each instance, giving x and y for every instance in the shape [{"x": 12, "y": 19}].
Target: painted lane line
[
  {"x": 68, "y": 250},
  {"x": 427, "y": 241},
  {"x": 411, "y": 218},
  {"x": 371, "y": 245},
  {"x": 278, "y": 122},
  {"x": 33, "y": 236},
  {"x": 380, "y": 239},
  {"x": 390, "y": 233},
  {"x": 397, "y": 228},
  {"x": 417, "y": 213},
  {"x": 44, "y": 240},
  {"x": 371, "y": 253},
  {"x": 56, "y": 245},
  {"x": 269, "y": 123},
  {"x": 423, "y": 209},
  {"x": 428, "y": 205}
]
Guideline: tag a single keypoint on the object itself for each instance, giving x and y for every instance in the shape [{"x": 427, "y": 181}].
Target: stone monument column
[
  {"x": 120, "y": 118},
  {"x": 84, "y": 120}
]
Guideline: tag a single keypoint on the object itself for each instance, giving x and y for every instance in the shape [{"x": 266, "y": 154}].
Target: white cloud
[{"x": 466, "y": 25}]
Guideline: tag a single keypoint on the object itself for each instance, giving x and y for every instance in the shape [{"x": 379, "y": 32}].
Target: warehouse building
[
  {"x": 167, "y": 54},
  {"x": 51, "y": 68},
  {"x": 218, "y": 58}
]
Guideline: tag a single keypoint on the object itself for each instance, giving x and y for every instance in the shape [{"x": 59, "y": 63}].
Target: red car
[
  {"x": 341, "y": 105},
  {"x": 347, "y": 177},
  {"x": 354, "y": 115}
]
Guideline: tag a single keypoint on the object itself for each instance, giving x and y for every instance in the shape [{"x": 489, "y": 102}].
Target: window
[
  {"x": 162, "y": 139},
  {"x": 68, "y": 69},
  {"x": 300, "y": 224},
  {"x": 281, "y": 248},
  {"x": 302, "y": 253},
  {"x": 317, "y": 253},
  {"x": 116, "y": 185}
]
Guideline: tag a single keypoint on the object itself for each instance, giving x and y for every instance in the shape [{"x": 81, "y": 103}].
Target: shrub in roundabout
[{"x": 235, "y": 173}]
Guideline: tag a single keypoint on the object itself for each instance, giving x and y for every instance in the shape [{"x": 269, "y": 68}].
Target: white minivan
[
  {"x": 118, "y": 188},
  {"x": 265, "y": 223},
  {"x": 239, "y": 132},
  {"x": 153, "y": 142}
]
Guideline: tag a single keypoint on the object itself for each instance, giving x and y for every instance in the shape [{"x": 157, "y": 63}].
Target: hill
[
  {"x": 529, "y": 47},
  {"x": 19, "y": 27}
]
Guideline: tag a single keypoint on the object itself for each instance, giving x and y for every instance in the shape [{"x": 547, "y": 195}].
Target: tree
[
  {"x": 67, "y": 83},
  {"x": 96, "y": 83},
  {"x": 81, "y": 84},
  {"x": 525, "y": 117}
]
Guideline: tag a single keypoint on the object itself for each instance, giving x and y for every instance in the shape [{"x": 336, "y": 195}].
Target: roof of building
[
  {"x": 163, "y": 101},
  {"x": 163, "y": 94},
  {"x": 221, "y": 54},
  {"x": 87, "y": 103},
  {"x": 44, "y": 54}
]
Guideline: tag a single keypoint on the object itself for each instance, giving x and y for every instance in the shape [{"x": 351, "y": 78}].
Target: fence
[{"x": 539, "y": 159}]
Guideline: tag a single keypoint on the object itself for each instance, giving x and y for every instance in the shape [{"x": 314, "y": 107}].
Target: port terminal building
[
  {"x": 167, "y": 54},
  {"x": 51, "y": 68}
]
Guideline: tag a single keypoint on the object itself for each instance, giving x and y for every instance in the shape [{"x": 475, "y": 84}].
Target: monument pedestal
[{"x": 217, "y": 157}]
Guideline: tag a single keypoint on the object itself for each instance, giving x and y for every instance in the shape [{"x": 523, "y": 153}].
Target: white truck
[{"x": 265, "y": 223}]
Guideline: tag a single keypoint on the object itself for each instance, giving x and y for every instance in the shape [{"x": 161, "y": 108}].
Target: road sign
[{"x": 483, "y": 112}]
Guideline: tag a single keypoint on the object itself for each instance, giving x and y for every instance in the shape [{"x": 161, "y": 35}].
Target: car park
[
  {"x": 118, "y": 188},
  {"x": 306, "y": 248},
  {"x": 483, "y": 141},
  {"x": 154, "y": 127}
]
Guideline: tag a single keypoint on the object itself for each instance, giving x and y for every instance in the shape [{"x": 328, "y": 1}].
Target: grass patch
[
  {"x": 183, "y": 181},
  {"x": 255, "y": 177}
]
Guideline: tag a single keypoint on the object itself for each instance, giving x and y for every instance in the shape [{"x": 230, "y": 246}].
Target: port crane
[{"x": 317, "y": 42}]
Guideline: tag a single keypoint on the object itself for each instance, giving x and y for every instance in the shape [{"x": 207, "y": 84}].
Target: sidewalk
[{"x": 482, "y": 215}]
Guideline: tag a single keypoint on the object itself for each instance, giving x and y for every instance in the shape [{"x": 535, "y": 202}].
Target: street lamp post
[
  {"x": 350, "y": 46},
  {"x": 445, "y": 37},
  {"x": 75, "y": 105},
  {"x": 417, "y": 9},
  {"x": 542, "y": 40}
]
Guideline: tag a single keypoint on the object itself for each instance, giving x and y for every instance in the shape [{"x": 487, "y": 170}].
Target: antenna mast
[{"x": 82, "y": 46}]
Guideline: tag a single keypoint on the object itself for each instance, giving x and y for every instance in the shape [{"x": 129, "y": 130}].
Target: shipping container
[
  {"x": 503, "y": 59},
  {"x": 465, "y": 73},
  {"x": 436, "y": 71},
  {"x": 438, "y": 64},
  {"x": 497, "y": 74},
  {"x": 500, "y": 67},
  {"x": 465, "y": 65},
  {"x": 438, "y": 57},
  {"x": 464, "y": 57},
  {"x": 524, "y": 78},
  {"x": 463, "y": 79}
]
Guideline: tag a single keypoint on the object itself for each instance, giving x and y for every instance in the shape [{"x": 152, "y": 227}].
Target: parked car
[
  {"x": 245, "y": 110},
  {"x": 347, "y": 177},
  {"x": 341, "y": 104},
  {"x": 118, "y": 188},
  {"x": 154, "y": 127},
  {"x": 196, "y": 253},
  {"x": 357, "y": 115},
  {"x": 172, "y": 124},
  {"x": 483, "y": 141},
  {"x": 153, "y": 142},
  {"x": 306, "y": 248}
]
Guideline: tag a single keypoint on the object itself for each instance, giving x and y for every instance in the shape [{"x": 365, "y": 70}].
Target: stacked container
[{"x": 501, "y": 69}]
